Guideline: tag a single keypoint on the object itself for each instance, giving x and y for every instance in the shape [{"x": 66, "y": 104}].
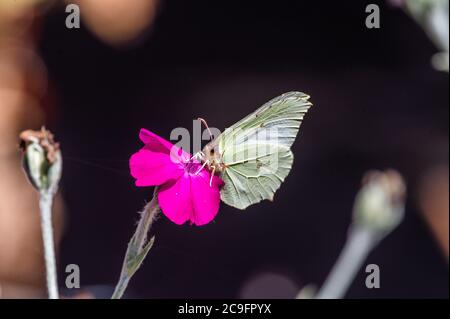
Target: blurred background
[{"x": 378, "y": 103}]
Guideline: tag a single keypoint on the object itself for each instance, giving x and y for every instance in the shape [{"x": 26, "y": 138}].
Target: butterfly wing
[
  {"x": 245, "y": 184},
  {"x": 256, "y": 150}
]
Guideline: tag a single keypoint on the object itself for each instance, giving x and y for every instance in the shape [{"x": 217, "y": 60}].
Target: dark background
[{"x": 377, "y": 104}]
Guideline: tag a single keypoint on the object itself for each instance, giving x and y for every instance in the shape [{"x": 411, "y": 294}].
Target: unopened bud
[
  {"x": 42, "y": 159},
  {"x": 380, "y": 204}
]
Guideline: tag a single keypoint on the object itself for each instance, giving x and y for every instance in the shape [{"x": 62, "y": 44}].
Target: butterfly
[{"x": 253, "y": 157}]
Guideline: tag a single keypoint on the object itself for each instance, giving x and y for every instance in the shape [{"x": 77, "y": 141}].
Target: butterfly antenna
[
  {"x": 193, "y": 157},
  {"x": 207, "y": 127}
]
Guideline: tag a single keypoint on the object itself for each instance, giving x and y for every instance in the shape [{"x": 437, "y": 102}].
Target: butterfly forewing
[
  {"x": 256, "y": 150},
  {"x": 283, "y": 112}
]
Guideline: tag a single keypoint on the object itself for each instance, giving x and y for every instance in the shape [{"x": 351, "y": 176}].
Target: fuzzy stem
[
  {"x": 45, "y": 204},
  {"x": 359, "y": 244},
  {"x": 138, "y": 247}
]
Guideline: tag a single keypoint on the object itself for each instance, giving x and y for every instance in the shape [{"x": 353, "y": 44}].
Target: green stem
[
  {"x": 45, "y": 204},
  {"x": 138, "y": 247},
  {"x": 360, "y": 242},
  {"x": 121, "y": 287}
]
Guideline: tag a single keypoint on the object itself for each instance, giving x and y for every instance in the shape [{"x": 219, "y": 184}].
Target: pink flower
[{"x": 185, "y": 192}]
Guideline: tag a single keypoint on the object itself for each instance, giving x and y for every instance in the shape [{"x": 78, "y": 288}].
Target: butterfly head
[{"x": 213, "y": 159}]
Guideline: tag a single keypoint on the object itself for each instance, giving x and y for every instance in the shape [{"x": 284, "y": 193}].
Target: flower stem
[
  {"x": 138, "y": 247},
  {"x": 360, "y": 242},
  {"x": 45, "y": 204}
]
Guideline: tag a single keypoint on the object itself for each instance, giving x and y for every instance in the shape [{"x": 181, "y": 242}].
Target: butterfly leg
[
  {"x": 193, "y": 157},
  {"x": 200, "y": 169},
  {"x": 201, "y": 155},
  {"x": 212, "y": 175},
  {"x": 198, "y": 156}
]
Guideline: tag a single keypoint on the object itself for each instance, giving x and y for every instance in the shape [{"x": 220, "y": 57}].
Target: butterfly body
[{"x": 213, "y": 159}]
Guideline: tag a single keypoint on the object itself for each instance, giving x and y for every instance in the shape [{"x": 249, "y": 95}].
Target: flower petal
[
  {"x": 155, "y": 143},
  {"x": 151, "y": 169},
  {"x": 175, "y": 200},
  {"x": 205, "y": 198}
]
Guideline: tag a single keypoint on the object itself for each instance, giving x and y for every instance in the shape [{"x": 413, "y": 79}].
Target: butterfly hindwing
[{"x": 247, "y": 184}]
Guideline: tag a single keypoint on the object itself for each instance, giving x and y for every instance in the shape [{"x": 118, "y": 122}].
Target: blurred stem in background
[
  {"x": 378, "y": 210},
  {"x": 360, "y": 243},
  {"x": 432, "y": 16},
  {"x": 138, "y": 247}
]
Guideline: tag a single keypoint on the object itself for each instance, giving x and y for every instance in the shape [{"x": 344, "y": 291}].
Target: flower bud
[
  {"x": 42, "y": 159},
  {"x": 380, "y": 203}
]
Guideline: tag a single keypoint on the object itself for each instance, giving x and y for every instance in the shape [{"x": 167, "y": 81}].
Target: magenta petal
[
  {"x": 205, "y": 198},
  {"x": 155, "y": 143},
  {"x": 151, "y": 169},
  {"x": 185, "y": 193},
  {"x": 175, "y": 200}
]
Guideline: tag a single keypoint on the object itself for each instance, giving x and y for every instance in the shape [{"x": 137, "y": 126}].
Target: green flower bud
[
  {"x": 380, "y": 204},
  {"x": 42, "y": 160}
]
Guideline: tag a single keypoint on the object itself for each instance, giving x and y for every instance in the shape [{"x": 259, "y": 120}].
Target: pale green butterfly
[{"x": 253, "y": 157}]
